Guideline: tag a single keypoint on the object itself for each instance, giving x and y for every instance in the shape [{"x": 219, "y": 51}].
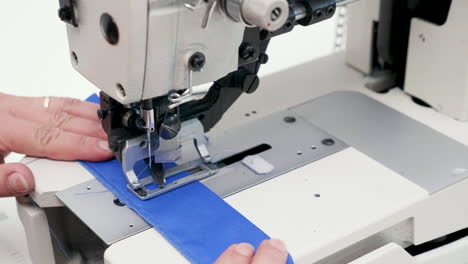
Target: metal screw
[
  {"x": 319, "y": 14},
  {"x": 143, "y": 144},
  {"x": 422, "y": 37},
  {"x": 121, "y": 90},
  {"x": 197, "y": 62},
  {"x": 141, "y": 193},
  {"x": 74, "y": 58},
  {"x": 328, "y": 142},
  {"x": 317, "y": 195},
  {"x": 247, "y": 51},
  {"x": 102, "y": 114},
  {"x": 289, "y": 119},
  {"x": 119, "y": 203}
]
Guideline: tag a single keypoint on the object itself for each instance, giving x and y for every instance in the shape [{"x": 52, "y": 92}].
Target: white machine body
[
  {"x": 133, "y": 70},
  {"x": 436, "y": 66},
  {"x": 434, "y": 49}
]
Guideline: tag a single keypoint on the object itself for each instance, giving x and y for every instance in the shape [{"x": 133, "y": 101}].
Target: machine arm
[{"x": 252, "y": 54}]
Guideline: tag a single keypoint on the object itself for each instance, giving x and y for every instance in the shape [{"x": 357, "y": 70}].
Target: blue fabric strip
[{"x": 192, "y": 218}]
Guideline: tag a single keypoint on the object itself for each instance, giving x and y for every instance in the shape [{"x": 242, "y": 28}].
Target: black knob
[
  {"x": 102, "y": 114},
  {"x": 263, "y": 58},
  {"x": 65, "y": 13},
  {"x": 250, "y": 83},
  {"x": 170, "y": 127},
  {"x": 197, "y": 62}
]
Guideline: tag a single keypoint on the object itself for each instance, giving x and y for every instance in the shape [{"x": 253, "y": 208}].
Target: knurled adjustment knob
[{"x": 266, "y": 14}]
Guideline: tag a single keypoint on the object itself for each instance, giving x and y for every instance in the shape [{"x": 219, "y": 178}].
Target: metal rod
[{"x": 344, "y": 2}]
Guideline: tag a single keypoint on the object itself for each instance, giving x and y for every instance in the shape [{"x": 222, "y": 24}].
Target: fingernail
[
  {"x": 17, "y": 183},
  {"x": 279, "y": 245},
  {"x": 245, "y": 249},
  {"x": 104, "y": 145}
]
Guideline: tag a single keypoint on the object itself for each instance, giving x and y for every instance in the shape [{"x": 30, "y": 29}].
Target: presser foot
[{"x": 197, "y": 170}]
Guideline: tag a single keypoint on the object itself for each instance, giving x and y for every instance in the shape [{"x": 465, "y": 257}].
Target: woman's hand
[
  {"x": 55, "y": 128},
  {"x": 271, "y": 251}
]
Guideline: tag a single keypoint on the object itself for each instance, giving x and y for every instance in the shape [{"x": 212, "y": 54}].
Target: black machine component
[
  {"x": 124, "y": 122},
  {"x": 66, "y": 12},
  {"x": 316, "y": 11},
  {"x": 393, "y": 29},
  {"x": 437, "y": 243},
  {"x": 252, "y": 54},
  {"x": 304, "y": 13}
]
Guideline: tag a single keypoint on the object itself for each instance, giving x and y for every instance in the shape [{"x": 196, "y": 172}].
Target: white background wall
[{"x": 34, "y": 61}]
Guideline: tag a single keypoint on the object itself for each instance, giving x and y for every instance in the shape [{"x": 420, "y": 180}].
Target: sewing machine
[{"x": 362, "y": 171}]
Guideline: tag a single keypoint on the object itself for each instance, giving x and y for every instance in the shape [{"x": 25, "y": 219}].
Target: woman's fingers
[
  {"x": 237, "y": 254},
  {"x": 15, "y": 180},
  {"x": 53, "y": 105},
  {"x": 52, "y": 142},
  {"x": 271, "y": 251},
  {"x": 74, "y": 107},
  {"x": 56, "y": 128},
  {"x": 60, "y": 119}
]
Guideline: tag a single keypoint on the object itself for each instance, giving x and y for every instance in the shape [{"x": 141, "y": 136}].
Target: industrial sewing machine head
[{"x": 147, "y": 56}]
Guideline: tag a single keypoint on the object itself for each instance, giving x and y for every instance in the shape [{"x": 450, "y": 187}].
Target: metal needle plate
[{"x": 98, "y": 208}]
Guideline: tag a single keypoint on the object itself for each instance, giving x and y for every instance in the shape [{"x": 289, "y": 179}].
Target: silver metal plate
[
  {"x": 294, "y": 142},
  {"x": 411, "y": 149},
  {"x": 94, "y": 205}
]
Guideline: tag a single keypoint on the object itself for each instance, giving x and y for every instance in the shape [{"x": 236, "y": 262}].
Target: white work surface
[{"x": 308, "y": 225}]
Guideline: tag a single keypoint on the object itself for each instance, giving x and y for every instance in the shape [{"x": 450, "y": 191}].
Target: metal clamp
[
  {"x": 197, "y": 169},
  {"x": 136, "y": 149},
  {"x": 195, "y": 63}
]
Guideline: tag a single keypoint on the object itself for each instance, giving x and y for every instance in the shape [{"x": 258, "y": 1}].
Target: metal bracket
[
  {"x": 136, "y": 149},
  {"x": 197, "y": 169}
]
